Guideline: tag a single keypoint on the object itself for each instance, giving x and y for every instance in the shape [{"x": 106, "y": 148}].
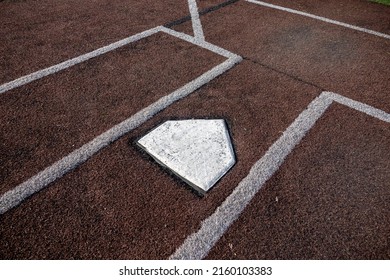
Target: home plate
[{"x": 199, "y": 151}]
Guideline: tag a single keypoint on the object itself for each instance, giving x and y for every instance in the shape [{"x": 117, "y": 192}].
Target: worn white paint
[
  {"x": 195, "y": 19},
  {"x": 324, "y": 19},
  {"x": 74, "y": 61},
  {"x": 198, "y": 244}
]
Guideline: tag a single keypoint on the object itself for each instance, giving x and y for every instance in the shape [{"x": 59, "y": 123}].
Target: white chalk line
[
  {"x": 203, "y": 44},
  {"x": 198, "y": 32},
  {"x": 15, "y": 196},
  {"x": 198, "y": 244},
  {"x": 327, "y": 20},
  {"x": 362, "y": 107},
  {"x": 195, "y": 19},
  {"x": 198, "y": 40},
  {"x": 74, "y": 61}
]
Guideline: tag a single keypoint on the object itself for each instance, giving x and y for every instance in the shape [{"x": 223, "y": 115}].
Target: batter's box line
[
  {"x": 324, "y": 19},
  {"x": 82, "y": 58},
  {"x": 15, "y": 196},
  {"x": 198, "y": 244},
  {"x": 196, "y": 24},
  {"x": 198, "y": 40}
]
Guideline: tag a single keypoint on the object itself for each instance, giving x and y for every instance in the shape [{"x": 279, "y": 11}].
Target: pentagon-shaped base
[{"x": 198, "y": 151}]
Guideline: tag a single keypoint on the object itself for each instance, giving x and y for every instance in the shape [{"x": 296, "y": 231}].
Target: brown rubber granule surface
[
  {"x": 121, "y": 205},
  {"x": 38, "y": 34},
  {"x": 329, "y": 200},
  {"x": 205, "y": 4},
  {"x": 351, "y": 63},
  {"x": 362, "y": 13},
  {"x": 47, "y": 119}
]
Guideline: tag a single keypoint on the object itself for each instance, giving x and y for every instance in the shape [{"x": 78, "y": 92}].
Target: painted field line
[
  {"x": 77, "y": 60},
  {"x": 198, "y": 244},
  {"x": 196, "y": 24},
  {"x": 357, "y": 28},
  {"x": 201, "y": 13},
  {"x": 364, "y": 108},
  {"x": 74, "y": 61},
  {"x": 15, "y": 196},
  {"x": 203, "y": 44}
]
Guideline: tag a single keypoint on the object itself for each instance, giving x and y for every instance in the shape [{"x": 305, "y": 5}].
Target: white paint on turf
[
  {"x": 364, "y": 108},
  {"x": 198, "y": 244},
  {"x": 203, "y": 44},
  {"x": 74, "y": 61},
  {"x": 327, "y": 20},
  {"x": 198, "y": 40},
  {"x": 196, "y": 24},
  {"x": 15, "y": 196}
]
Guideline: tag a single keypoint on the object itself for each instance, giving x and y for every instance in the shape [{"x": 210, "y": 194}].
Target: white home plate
[{"x": 198, "y": 151}]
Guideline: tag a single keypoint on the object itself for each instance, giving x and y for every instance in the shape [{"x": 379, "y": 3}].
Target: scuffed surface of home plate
[{"x": 198, "y": 151}]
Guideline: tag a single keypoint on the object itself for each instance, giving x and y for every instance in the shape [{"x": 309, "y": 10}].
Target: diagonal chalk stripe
[
  {"x": 196, "y": 24},
  {"x": 198, "y": 244},
  {"x": 203, "y": 44},
  {"x": 74, "y": 61},
  {"x": 82, "y": 58},
  {"x": 364, "y": 108},
  {"x": 357, "y": 28},
  {"x": 199, "y": 38},
  {"x": 15, "y": 196}
]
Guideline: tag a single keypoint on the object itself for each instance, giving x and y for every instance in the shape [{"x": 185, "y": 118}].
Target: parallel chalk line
[
  {"x": 350, "y": 26},
  {"x": 198, "y": 32},
  {"x": 74, "y": 61},
  {"x": 15, "y": 196},
  {"x": 198, "y": 244}
]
